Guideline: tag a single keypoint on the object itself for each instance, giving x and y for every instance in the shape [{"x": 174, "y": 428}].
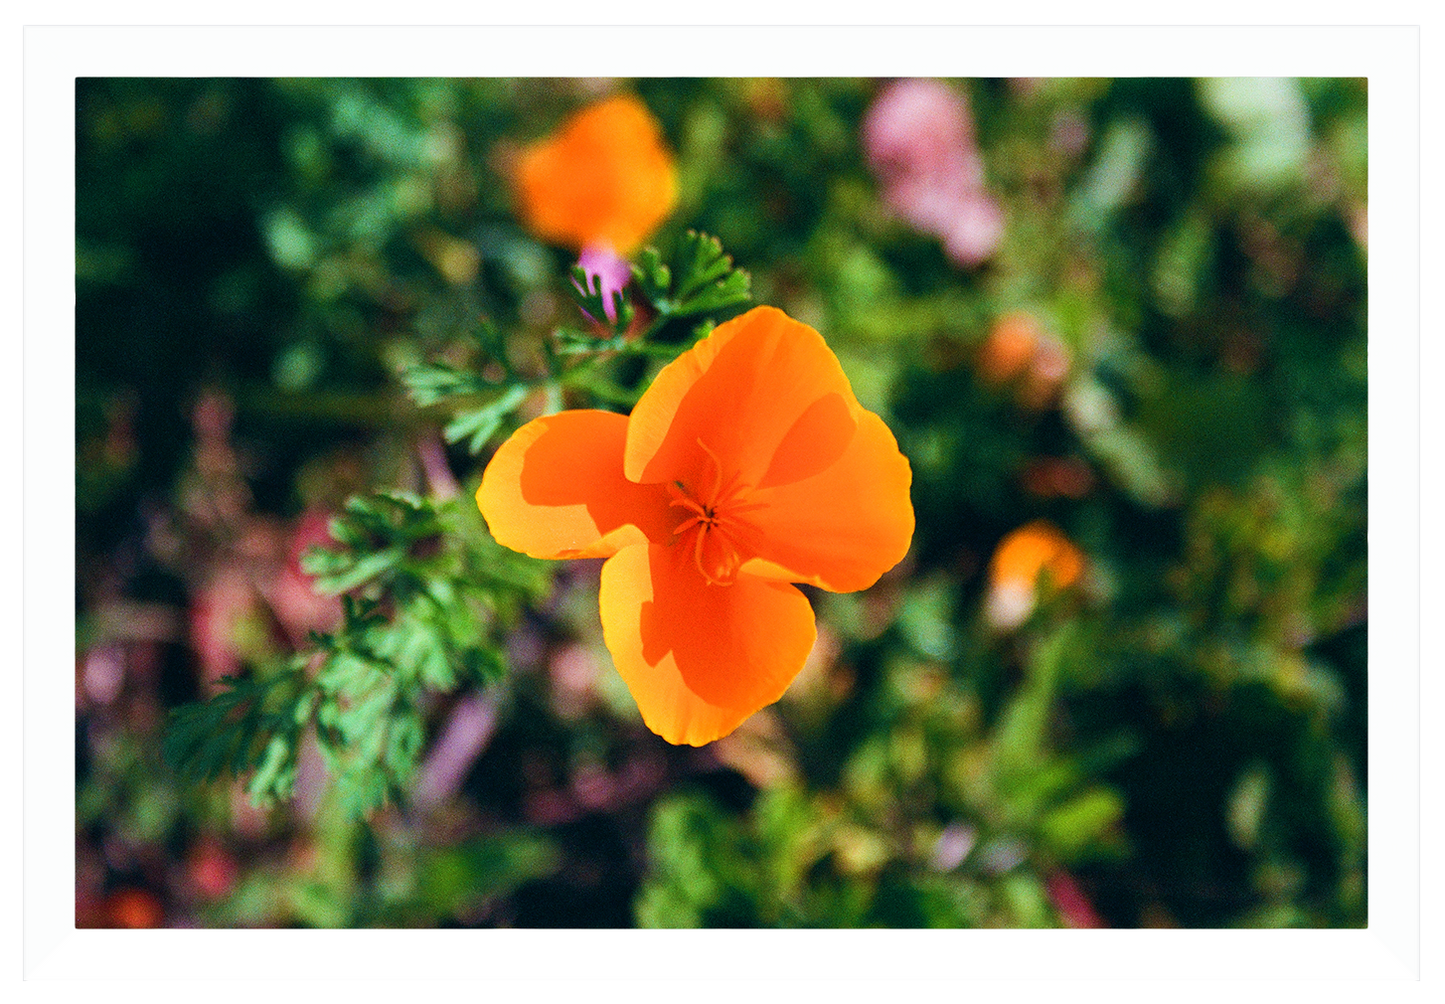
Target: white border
[{"x": 839, "y": 960}]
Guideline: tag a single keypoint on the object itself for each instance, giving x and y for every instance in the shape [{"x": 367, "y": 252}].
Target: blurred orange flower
[
  {"x": 1022, "y": 558},
  {"x": 747, "y": 466},
  {"x": 1009, "y": 347},
  {"x": 134, "y": 908},
  {"x": 1019, "y": 347},
  {"x": 1027, "y": 552},
  {"x": 604, "y": 178}
]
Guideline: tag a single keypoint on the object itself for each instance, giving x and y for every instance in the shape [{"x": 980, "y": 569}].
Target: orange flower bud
[
  {"x": 1027, "y": 552},
  {"x": 134, "y": 908}
]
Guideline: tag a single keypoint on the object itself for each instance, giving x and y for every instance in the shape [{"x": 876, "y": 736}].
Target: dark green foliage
[
  {"x": 428, "y": 594},
  {"x": 705, "y": 278},
  {"x": 250, "y": 725}
]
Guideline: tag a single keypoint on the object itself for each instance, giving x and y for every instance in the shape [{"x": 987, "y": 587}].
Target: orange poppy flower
[
  {"x": 747, "y": 466},
  {"x": 1029, "y": 551},
  {"x": 1019, "y": 562},
  {"x": 603, "y": 178}
]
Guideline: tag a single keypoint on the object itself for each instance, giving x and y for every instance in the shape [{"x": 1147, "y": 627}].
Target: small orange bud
[
  {"x": 1025, "y": 554},
  {"x": 1019, "y": 348}
]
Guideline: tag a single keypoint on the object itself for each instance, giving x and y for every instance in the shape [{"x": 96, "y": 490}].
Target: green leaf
[
  {"x": 250, "y": 724},
  {"x": 435, "y": 383},
  {"x": 618, "y": 314},
  {"x": 705, "y": 278},
  {"x": 430, "y": 383},
  {"x": 456, "y": 878},
  {"x": 652, "y": 276},
  {"x": 1082, "y": 822},
  {"x": 337, "y": 574},
  {"x": 479, "y": 425}
]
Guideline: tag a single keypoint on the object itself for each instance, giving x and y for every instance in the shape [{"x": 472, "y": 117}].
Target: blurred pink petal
[
  {"x": 216, "y": 611},
  {"x": 1073, "y": 906},
  {"x": 925, "y": 205},
  {"x": 292, "y": 594},
  {"x": 439, "y": 476},
  {"x": 600, "y": 261},
  {"x": 104, "y": 673},
  {"x": 466, "y": 734},
  {"x": 917, "y": 129},
  {"x": 575, "y": 671},
  {"x": 953, "y": 845},
  {"x": 975, "y": 230},
  {"x": 211, "y": 869},
  {"x": 918, "y": 138}
]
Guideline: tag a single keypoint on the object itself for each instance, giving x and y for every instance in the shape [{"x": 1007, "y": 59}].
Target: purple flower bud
[{"x": 601, "y": 261}]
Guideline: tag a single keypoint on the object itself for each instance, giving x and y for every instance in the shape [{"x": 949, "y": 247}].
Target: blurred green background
[{"x": 1178, "y": 739}]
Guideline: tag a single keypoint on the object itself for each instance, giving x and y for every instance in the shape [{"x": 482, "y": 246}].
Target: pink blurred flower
[
  {"x": 1071, "y": 902},
  {"x": 216, "y": 612},
  {"x": 918, "y": 138},
  {"x": 211, "y": 869},
  {"x": 974, "y": 231}
]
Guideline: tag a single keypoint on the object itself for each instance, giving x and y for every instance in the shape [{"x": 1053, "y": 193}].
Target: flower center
[{"x": 714, "y": 531}]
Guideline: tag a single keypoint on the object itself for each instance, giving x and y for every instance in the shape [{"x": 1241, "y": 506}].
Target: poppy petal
[
  {"x": 555, "y": 489},
  {"x": 763, "y": 392},
  {"x": 843, "y": 527},
  {"x": 1031, "y": 550},
  {"x": 604, "y": 177},
  {"x": 699, "y": 658}
]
